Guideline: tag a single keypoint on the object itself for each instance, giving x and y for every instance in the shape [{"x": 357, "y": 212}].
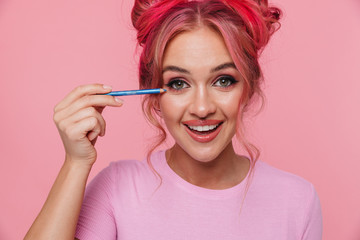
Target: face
[{"x": 200, "y": 107}]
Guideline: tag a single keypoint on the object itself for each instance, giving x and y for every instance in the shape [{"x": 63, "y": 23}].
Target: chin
[{"x": 204, "y": 155}]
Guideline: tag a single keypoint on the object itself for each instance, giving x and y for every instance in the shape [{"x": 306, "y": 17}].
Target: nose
[{"x": 202, "y": 103}]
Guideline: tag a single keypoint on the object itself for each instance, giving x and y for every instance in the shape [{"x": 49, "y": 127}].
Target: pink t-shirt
[{"x": 125, "y": 201}]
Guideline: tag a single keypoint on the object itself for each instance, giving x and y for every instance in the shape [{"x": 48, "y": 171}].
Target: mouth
[{"x": 203, "y": 130}]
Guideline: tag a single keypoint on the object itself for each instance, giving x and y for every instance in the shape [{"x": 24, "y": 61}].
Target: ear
[
  {"x": 156, "y": 106},
  {"x": 156, "y": 103},
  {"x": 153, "y": 105}
]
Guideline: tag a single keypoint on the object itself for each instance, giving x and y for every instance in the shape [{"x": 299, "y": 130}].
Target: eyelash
[
  {"x": 231, "y": 80},
  {"x": 172, "y": 83}
]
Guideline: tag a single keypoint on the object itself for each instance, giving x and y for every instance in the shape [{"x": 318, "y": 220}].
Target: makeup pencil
[{"x": 136, "y": 92}]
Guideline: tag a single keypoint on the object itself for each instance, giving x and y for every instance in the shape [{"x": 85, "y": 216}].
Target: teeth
[{"x": 203, "y": 128}]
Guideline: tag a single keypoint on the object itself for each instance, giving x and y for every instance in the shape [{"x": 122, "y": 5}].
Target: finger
[
  {"x": 81, "y": 91},
  {"x": 79, "y": 131},
  {"x": 99, "y": 109},
  {"x": 84, "y": 114},
  {"x": 97, "y": 101},
  {"x": 93, "y": 135}
]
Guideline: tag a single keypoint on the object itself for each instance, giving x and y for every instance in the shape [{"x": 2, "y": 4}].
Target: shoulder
[
  {"x": 281, "y": 187},
  {"x": 127, "y": 171},
  {"x": 117, "y": 173},
  {"x": 290, "y": 196},
  {"x": 268, "y": 176},
  {"x": 135, "y": 167},
  {"x": 127, "y": 166},
  {"x": 132, "y": 174}
]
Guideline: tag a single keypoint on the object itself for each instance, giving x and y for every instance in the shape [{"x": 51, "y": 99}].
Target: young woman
[{"x": 205, "y": 54}]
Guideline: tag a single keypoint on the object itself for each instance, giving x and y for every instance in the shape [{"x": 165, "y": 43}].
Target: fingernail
[
  {"x": 107, "y": 87},
  {"x": 119, "y": 100}
]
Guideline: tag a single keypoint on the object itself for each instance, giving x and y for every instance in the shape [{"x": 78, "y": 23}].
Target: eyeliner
[{"x": 136, "y": 92}]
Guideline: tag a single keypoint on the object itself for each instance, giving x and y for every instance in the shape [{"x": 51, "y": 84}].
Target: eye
[
  {"x": 177, "y": 84},
  {"x": 225, "y": 81}
]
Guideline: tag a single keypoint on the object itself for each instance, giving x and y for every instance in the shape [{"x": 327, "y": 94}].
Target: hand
[{"x": 79, "y": 120}]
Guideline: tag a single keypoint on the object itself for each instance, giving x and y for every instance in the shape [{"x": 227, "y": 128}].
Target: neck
[{"x": 226, "y": 170}]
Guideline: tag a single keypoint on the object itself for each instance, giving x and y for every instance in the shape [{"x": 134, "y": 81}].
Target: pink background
[{"x": 310, "y": 125}]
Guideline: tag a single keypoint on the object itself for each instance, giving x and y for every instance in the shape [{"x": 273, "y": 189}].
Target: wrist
[{"x": 78, "y": 164}]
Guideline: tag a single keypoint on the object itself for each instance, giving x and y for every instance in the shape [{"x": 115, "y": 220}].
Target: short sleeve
[
  {"x": 313, "y": 218},
  {"x": 96, "y": 220}
]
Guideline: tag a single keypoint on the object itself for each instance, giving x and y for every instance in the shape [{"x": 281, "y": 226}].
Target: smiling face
[{"x": 201, "y": 105}]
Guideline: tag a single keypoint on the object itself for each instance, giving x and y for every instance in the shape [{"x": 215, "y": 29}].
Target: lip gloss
[{"x": 203, "y": 137}]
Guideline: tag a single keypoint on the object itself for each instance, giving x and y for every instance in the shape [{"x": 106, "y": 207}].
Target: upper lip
[{"x": 199, "y": 122}]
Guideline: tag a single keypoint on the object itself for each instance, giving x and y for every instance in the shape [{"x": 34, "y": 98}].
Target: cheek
[
  {"x": 230, "y": 104},
  {"x": 171, "y": 107}
]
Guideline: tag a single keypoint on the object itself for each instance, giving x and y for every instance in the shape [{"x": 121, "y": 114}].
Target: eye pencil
[{"x": 136, "y": 92}]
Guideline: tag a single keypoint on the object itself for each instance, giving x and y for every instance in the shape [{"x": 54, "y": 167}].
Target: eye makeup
[
  {"x": 177, "y": 84},
  {"x": 225, "y": 81}
]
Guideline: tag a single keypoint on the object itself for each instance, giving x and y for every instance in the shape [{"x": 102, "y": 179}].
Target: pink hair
[{"x": 245, "y": 25}]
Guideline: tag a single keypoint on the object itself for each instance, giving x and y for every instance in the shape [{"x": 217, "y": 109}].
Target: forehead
[{"x": 199, "y": 48}]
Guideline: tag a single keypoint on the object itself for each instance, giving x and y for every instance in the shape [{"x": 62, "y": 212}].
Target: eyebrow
[
  {"x": 223, "y": 66},
  {"x": 175, "y": 69},
  {"x": 215, "y": 69}
]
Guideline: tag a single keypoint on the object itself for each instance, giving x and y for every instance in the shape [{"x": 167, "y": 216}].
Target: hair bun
[
  {"x": 146, "y": 13},
  {"x": 140, "y": 6},
  {"x": 260, "y": 20},
  {"x": 271, "y": 15}
]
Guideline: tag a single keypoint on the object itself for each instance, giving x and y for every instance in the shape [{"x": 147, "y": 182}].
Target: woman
[{"x": 205, "y": 54}]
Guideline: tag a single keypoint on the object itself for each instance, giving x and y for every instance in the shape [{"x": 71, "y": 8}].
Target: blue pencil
[{"x": 136, "y": 92}]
